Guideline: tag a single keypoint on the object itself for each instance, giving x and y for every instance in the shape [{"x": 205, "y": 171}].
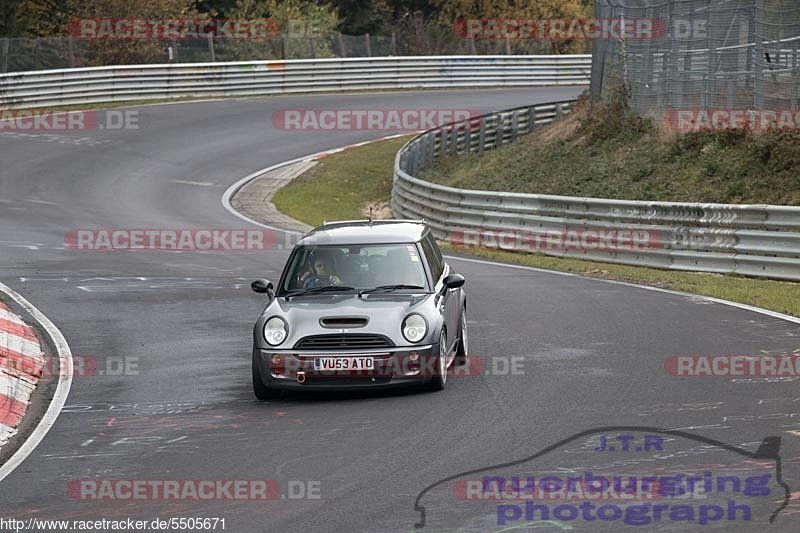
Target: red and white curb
[
  {"x": 21, "y": 363},
  {"x": 21, "y": 367}
]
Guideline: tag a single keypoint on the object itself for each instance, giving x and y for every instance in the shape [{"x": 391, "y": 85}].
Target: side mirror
[
  {"x": 262, "y": 286},
  {"x": 453, "y": 281}
]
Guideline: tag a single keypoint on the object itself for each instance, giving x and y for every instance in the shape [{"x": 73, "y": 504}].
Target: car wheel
[
  {"x": 463, "y": 341},
  {"x": 261, "y": 391},
  {"x": 439, "y": 379}
]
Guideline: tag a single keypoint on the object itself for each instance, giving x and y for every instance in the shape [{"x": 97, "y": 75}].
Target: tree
[
  {"x": 364, "y": 16},
  {"x": 127, "y": 51},
  {"x": 32, "y": 18},
  {"x": 451, "y": 11},
  {"x": 307, "y": 28}
]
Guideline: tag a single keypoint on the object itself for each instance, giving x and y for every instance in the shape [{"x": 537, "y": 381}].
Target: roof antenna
[{"x": 370, "y": 215}]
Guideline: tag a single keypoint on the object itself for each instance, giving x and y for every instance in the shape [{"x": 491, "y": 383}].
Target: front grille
[{"x": 337, "y": 341}]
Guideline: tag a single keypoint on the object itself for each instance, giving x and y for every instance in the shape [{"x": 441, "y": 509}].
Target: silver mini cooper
[{"x": 360, "y": 304}]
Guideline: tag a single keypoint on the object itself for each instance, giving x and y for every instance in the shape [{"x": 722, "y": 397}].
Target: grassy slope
[{"x": 592, "y": 153}]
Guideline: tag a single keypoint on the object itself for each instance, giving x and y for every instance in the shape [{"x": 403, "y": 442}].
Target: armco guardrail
[
  {"x": 123, "y": 83},
  {"x": 752, "y": 240}
]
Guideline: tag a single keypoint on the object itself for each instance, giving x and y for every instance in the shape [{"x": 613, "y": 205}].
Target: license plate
[{"x": 344, "y": 363}]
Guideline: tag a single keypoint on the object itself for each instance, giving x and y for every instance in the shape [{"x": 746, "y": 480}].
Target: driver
[{"x": 322, "y": 273}]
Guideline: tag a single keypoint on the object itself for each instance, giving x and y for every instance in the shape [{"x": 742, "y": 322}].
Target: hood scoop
[{"x": 335, "y": 322}]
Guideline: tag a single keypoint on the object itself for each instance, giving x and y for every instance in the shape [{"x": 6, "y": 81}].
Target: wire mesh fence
[
  {"x": 702, "y": 54},
  {"x": 25, "y": 54}
]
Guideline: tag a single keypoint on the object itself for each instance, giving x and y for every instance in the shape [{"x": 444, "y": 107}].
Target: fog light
[
  {"x": 413, "y": 357},
  {"x": 276, "y": 360}
]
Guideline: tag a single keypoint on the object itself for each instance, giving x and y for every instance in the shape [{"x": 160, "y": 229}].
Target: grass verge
[{"x": 343, "y": 184}]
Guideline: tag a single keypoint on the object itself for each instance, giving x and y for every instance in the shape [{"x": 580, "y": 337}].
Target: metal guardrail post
[
  {"x": 481, "y": 136},
  {"x": 514, "y": 126},
  {"x": 431, "y": 151}
]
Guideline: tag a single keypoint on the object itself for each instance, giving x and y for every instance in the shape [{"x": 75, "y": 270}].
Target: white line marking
[
  {"x": 195, "y": 183},
  {"x": 62, "y": 390},
  {"x": 80, "y": 456}
]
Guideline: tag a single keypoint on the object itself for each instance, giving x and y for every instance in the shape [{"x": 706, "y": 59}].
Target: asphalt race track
[{"x": 589, "y": 353}]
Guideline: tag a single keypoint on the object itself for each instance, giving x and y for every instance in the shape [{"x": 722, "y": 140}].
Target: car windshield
[{"x": 358, "y": 266}]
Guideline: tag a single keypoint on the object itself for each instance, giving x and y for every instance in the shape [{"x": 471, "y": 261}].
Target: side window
[
  {"x": 437, "y": 251},
  {"x": 434, "y": 257}
]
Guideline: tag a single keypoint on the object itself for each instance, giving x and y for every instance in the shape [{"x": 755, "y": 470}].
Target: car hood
[{"x": 385, "y": 314}]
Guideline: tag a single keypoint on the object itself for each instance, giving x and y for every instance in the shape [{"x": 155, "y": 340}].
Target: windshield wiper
[
  {"x": 389, "y": 288},
  {"x": 318, "y": 290}
]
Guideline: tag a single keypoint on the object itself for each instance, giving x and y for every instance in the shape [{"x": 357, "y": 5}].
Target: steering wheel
[{"x": 321, "y": 281}]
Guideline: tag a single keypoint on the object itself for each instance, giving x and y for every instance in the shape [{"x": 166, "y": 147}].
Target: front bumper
[{"x": 394, "y": 367}]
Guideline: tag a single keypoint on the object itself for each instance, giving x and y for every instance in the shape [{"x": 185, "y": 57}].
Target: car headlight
[
  {"x": 414, "y": 328},
  {"x": 275, "y": 331}
]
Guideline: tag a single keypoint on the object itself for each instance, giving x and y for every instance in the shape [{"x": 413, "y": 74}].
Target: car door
[
  {"x": 452, "y": 301},
  {"x": 446, "y": 306}
]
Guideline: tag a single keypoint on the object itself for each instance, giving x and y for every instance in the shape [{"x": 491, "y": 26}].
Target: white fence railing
[
  {"x": 752, "y": 240},
  {"x": 137, "y": 82}
]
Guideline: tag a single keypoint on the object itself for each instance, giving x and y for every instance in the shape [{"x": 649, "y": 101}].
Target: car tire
[
  {"x": 261, "y": 391},
  {"x": 463, "y": 341},
  {"x": 439, "y": 379}
]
